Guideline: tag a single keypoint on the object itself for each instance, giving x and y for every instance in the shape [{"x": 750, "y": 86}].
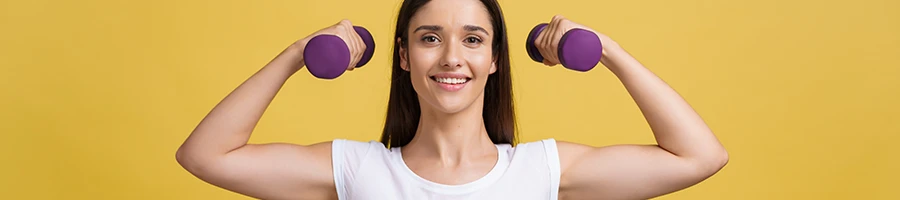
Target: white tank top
[{"x": 371, "y": 171}]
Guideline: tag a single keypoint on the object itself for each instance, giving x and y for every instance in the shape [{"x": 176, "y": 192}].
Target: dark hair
[{"x": 403, "y": 110}]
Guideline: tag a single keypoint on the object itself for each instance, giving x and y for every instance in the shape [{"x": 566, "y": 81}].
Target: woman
[{"x": 450, "y": 126}]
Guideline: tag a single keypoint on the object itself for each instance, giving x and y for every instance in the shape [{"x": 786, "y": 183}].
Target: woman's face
[{"x": 449, "y": 54}]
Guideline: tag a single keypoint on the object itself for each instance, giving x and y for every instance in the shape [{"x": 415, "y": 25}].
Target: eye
[
  {"x": 473, "y": 40},
  {"x": 430, "y": 39}
]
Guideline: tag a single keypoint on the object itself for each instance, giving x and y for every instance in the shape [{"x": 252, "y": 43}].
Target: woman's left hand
[{"x": 548, "y": 40}]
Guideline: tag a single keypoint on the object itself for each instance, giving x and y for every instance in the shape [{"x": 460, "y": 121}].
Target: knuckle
[
  {"x": 558, "y": 17},
  {"x": 338, "y": 29},
  {"x": 566, "y": 22}
]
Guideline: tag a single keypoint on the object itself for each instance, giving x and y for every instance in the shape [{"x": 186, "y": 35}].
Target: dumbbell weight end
[
  {"x": 327, "y": 56},
  {"x": 578, "y": 49}
]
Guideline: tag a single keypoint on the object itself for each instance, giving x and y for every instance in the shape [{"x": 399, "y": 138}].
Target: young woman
[{"x": 449, "y": 132}]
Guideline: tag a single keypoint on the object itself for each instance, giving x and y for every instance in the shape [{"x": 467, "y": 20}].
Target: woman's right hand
[{"x": 344, "y": 30}]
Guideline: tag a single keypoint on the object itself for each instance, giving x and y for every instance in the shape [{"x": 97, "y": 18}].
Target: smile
[
  {"x": 450, "y": 80},
  {"x": 451, "y": 83}
]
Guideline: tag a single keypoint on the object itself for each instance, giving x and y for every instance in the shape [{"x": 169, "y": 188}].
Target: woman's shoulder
[
  {"x": 358, "y": 146},
  {"x": 545, "y": 149},
  {"x": 541, "y": 144},
  {"x": 354, "y": 143}
]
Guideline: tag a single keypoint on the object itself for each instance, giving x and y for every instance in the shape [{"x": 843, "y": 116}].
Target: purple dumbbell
[
  {"x": 327, "y": 56},
  {"x": 578, "y": 49}
]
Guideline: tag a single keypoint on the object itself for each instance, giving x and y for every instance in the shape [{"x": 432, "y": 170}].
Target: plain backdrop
[{"x": 97, "y": 95}]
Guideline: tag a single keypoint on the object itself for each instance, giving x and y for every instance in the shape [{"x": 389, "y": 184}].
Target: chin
[{"x": 451, "y": 104}]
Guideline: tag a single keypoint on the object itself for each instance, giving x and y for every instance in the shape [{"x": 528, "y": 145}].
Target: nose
[{"x": 452, "y": 56}]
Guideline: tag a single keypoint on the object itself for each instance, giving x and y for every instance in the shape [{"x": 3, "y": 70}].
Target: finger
[
  {"x": 339, "y": 30},
  {"x": 543, "y": 37},
  {"x": 360, "y": 49},
  {"x": 548, "y": 63},
  {"x": 550, "y": 31},
  {"x": 354, "y": 48},
  {"x": 350, "y": 38},
  {"x": 539, "y": 43},
  {"x": 553, "y": 44}
]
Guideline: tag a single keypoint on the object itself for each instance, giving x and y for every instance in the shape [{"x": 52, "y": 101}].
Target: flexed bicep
[
  {"x": 273, "y": 171},
  {"x": 624, "y": 172}
]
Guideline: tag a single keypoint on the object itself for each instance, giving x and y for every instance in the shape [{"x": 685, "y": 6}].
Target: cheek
[
  {"x": 421, "y": 60},
  {"x": 480, "y": 62},
  {"x": 420, "y": 63}
]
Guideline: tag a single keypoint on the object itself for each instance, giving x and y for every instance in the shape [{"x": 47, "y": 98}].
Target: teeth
[{"x": 451, "y": 80}]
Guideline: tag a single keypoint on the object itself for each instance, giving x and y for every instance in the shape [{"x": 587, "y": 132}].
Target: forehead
[{"x": 452, "y": 14}]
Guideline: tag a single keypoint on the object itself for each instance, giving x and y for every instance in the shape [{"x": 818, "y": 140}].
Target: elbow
[
  {"x": 721, "y": 160},
  {"x": 201, "y": 164},
  {"x": 188, "y": 161},
  {"x": 180, "y": 157},
  {"x": 714, "y": 162},
  {"x": 183, "y": 158},
  {"x": 708, "y": 164}
]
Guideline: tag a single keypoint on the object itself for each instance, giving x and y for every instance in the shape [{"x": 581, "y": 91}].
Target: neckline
[{"x": 492, "y": 176}]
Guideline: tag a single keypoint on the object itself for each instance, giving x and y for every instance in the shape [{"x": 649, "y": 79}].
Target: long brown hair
[{"x": 403, "y": 110}]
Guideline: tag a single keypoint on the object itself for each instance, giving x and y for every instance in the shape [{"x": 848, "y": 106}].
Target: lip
[
  {"x": 450, "y": 75},
  {"x": 450, "y": 87}
]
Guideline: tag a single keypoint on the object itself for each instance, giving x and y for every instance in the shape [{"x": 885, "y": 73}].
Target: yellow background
[{"x": 98, "y": 94}]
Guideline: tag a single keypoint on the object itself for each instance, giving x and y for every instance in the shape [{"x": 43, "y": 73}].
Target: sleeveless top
[{"x": 368, "y": 170}]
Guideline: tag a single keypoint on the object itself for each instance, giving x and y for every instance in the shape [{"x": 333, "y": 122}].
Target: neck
[{"x": 451, "y": 137}]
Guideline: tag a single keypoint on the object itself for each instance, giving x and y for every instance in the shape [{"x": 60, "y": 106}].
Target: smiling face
[
  {"x": 442, "y": 39},
  {"x": 449, "y": 54}
]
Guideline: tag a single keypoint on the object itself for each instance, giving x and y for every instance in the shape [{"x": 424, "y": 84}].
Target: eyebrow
[
  {"x": 473, "y": 28},
  {"x": 469, "y": 28}
]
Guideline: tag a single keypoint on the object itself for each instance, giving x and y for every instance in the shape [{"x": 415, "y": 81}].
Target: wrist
[
  {"x": 618, "y": 61},
  {"x": 296, "y": 49},
  {"x": 290, "y": 58},
  {"x": 611, "y": 53}
]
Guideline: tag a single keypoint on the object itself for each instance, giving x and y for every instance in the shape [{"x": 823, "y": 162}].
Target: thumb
[{"x": 548, "y": 63}]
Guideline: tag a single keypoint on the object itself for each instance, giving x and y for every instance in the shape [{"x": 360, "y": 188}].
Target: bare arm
[
  {"x": 217, "y": 151},
  {"x": 687, "y": 151}
]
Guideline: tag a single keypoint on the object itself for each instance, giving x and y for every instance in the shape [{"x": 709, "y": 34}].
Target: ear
[
  {"x": 493, "y": 66},
  {"x": 404, "y": 60}
]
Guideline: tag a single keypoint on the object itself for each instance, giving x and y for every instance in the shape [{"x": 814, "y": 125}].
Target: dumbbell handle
[
  {"x": 327, "y": 56},
  {"x": 578, "y": 49}
]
